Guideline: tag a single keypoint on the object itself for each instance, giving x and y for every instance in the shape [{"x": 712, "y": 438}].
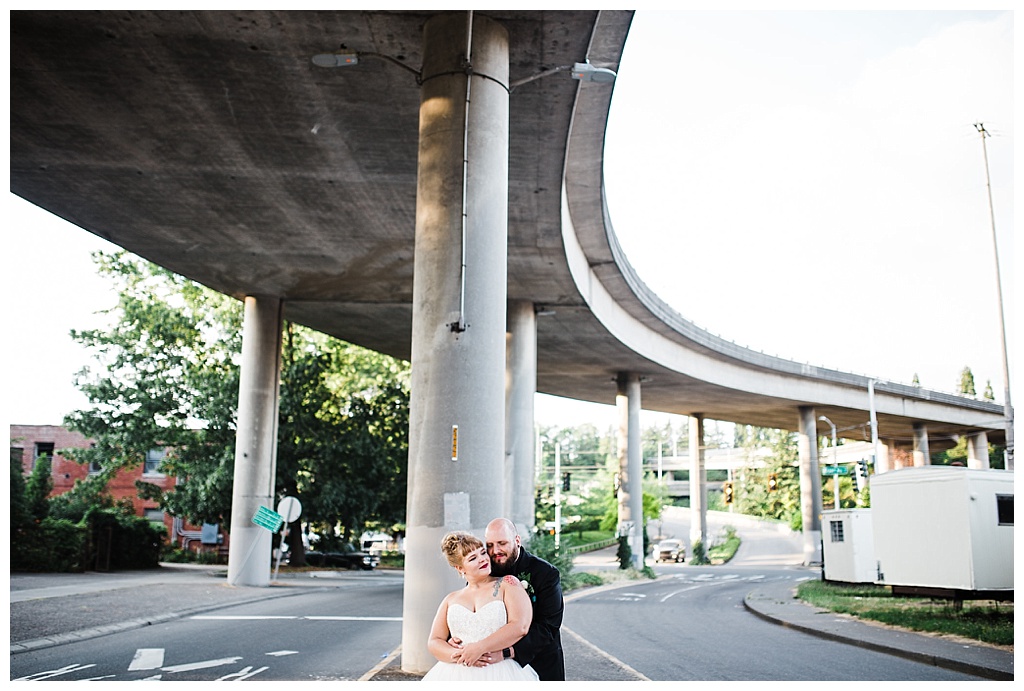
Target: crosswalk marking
[{"x": 205, "y": 664}]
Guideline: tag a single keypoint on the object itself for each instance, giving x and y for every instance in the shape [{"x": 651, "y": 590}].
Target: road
[
  {"x": 689, "y": 624},
  {"x": 693, "y": 626}
]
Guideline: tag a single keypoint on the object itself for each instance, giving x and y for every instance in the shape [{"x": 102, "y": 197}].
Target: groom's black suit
[{"x": 541, "y": 647}]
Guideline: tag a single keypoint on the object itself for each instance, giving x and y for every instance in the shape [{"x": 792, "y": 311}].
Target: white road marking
[
  {"x": 147, "y": 658},
  {"x": 279, "y": 653},
  {"x": 239, "y": 617},
  {"x": 50, "y": 673},
  {"x": 188, "y": 667},
  {"x": 315, "y": 618},
  {"x": 243, "y": 673}
]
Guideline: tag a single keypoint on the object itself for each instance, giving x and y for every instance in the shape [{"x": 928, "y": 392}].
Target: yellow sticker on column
[{"x": 455, "y": 442}]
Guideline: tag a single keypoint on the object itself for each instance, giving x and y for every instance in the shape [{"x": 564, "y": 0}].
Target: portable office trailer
[
  {"x": 848, "y": 546},
  {"x": 945, "y": 530}
]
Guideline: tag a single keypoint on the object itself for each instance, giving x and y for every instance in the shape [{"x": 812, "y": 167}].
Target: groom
[{"x": 541, "y": 647}]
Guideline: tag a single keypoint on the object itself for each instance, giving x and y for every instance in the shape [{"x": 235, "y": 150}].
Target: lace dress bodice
[{"x": 470, "y": 626}]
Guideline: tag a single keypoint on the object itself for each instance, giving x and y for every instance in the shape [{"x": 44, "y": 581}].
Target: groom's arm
[{"x": 547, "y": 615}]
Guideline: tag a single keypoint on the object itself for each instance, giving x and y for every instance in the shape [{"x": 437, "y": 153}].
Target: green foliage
[
  {"x": 722, "y": 552},
  {"x": 122, "y": 540},
  {"x": 698, "y": 557},
  {"x": 167, "y": 377},
  {"x": 989, "y": 394},
  {"x": 52, "y": 545},
  {"x": 20, "y": 514},
  {"x": 966, "y": 384},
  {"x": 978, "y": 620},
  {"x": 752, "y": 496},
  {"x": 37, "y": 489},
  {"x": 624, "y": 553}
]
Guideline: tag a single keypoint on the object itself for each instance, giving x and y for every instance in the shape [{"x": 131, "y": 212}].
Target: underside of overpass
[{"x": 208, "y": 143}]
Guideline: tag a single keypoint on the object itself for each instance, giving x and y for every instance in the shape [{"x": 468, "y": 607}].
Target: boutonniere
[{"x": 524, "y": 580}]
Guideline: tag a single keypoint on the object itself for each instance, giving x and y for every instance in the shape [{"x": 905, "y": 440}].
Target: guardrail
[{"x": 591, "y": 546}]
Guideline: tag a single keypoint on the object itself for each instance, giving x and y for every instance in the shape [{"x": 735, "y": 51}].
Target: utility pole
[{"x": 1007, "y": 405}]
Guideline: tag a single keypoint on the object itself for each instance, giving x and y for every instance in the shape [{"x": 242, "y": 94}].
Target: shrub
[
  {"x": 52, "y": 545},
  {"x": 122, "y": 541}
]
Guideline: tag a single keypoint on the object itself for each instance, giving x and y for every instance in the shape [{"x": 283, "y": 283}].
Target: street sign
[
  {"x": 290, "y": 508},
  {"x": 835, "y": 470},
  {"x": 266, "y": 518}
]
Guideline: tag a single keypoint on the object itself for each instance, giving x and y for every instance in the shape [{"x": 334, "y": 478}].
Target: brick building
[{"x": 30, "y": 442}]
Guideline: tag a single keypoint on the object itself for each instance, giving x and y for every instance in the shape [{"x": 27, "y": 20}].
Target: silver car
[{"x": 670, "y": 550}]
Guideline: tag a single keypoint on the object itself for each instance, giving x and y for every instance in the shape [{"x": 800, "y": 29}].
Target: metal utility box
[
  {"x": 848, "y": 546},
  {"x": 943, "y": 529}
]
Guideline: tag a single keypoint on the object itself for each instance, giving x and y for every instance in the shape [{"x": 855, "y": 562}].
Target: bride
[{"x": 489, "y": 614}]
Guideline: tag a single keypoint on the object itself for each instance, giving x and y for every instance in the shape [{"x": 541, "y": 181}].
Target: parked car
[
  {"x": 346, "y": 560},
  {"x": 670, "y": 550}
]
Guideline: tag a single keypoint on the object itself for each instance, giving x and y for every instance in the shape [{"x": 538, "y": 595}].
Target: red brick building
[{"x": 30, "y": 442}]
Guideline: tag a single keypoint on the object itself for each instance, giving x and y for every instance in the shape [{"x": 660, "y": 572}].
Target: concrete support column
[
  {"x": 520, "y": 389},
  {"x": 977, "y": 451},
  {"x": 255, "y": 441},
  {"x": 921, "y": 455},
  {"x": 457, "y": 402},
  {"x": 810, "y": 485},
  {"x": 698, "y": 484},
  {"x": 631, "y": 492}
]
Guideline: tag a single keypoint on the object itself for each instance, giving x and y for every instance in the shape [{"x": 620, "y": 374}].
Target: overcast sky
[{"x": 807, "y": 184}]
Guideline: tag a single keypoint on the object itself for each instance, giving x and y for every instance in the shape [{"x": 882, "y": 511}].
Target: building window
[
  {"x": 154, "y": 515},
  {"x": 154, "y": 457},
  {"x": 43, "y": 449},
  {"x": 837, "y": 530},
  {"x": 1004, "y": 508}
]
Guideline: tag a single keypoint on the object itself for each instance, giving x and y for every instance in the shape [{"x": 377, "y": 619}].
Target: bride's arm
[
  {"x": 438, "y": 644},
  {"x": 519, "y": 614}
]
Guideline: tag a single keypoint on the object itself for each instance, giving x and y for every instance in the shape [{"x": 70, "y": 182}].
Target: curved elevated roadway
[{"x": 208, "y": 143}]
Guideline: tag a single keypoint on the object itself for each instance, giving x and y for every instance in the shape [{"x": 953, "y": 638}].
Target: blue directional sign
[{"x": 267, "y": 518}]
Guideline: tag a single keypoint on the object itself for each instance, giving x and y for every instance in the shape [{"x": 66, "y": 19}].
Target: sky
[{"x": 807, "y": 184}]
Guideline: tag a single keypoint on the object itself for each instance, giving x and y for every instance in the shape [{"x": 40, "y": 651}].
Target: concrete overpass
[{"x": 208, "y": 143}]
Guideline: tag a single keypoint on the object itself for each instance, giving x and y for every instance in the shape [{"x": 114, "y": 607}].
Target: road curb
[{"x": 943, "y": 662}]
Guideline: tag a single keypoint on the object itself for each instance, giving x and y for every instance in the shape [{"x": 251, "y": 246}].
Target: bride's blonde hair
[{"x": 457, "y": 544}]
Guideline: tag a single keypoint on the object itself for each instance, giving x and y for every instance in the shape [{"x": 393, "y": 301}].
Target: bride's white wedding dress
[{"x": 469, "y": 627}]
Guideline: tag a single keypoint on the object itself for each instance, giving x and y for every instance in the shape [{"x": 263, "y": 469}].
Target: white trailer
[
  {"x": 848, "y": 546},
  {"x": 944, "y": 530}
]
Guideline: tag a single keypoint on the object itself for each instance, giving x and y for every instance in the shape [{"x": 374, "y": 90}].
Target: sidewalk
[{"x": 107, "y": 603}]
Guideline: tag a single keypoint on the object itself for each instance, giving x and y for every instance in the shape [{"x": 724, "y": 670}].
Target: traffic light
[
  {"x": 727, "y": 491},
  {"x": 565, "y": 481},
  {"x": 773, "y": 483},
  {"x": 862, "y": 468}
]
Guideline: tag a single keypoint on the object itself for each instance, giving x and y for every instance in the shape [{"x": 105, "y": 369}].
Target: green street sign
[
  {"x": 266, "y": 518},
  {"x": 835, "y": 470}
]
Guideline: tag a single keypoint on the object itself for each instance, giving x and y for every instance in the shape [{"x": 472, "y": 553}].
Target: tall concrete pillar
[
  {"x": 921, "y": 455},
  {"x": 810, "y": 485},
  {"x": 255, "y": 441},
  {"x": 977, "y": 451},
  {"x": 457, "y": 401},
  {"x": 520, "y": 388},
  {"x": 631, "y": 476},
  {"x": 698, "y": 483}
]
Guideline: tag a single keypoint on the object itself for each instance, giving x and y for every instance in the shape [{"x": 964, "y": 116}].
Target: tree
[
  {"x": 752, "y": 494},
  {"x": 966, "y": 384},
  {"x": 989, "y": 395},
  {"x": 168, "y": 378},
  {"x": 915, "y": 381}
]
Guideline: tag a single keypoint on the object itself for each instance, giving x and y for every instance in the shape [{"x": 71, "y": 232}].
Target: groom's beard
[{"x": 507, "y": 568}]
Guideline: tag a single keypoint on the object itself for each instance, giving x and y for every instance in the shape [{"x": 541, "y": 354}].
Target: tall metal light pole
[
  {"x": 874, "y": 420},
  {"x": 835, "y": 459},
  {"x": 1007, "y": 406}
]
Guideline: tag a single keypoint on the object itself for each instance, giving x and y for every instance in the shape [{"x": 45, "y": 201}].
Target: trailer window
[
  {"x": 1004, "y": 508},
  {"x": 836, "y": 530}
]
